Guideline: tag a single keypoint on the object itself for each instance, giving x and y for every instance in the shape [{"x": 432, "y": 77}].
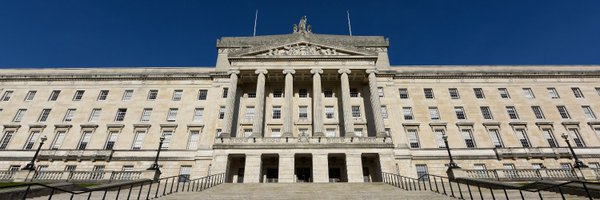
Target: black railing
[
  {"x": 480, "y": 189},
  {"x": 142, "y": 189}
]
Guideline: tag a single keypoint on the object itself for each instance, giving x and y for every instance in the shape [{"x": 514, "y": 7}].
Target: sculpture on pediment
[{"x": 301, "y": 50}]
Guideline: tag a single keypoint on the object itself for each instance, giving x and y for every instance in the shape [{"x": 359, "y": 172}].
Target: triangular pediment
[{"x": 302, "y": 48}]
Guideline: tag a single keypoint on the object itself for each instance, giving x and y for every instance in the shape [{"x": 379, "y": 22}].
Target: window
[
  {"x": 218, "y": 131},
  {"x": 356, "y": 111},
  {"x": 302, "y": 93},
  {"x": 574, "y": 133},
  {"x": 249, "y": 112},
  {"x": 522, "y": 136},
  {"x": 184, "y": 173},
  {"x": 120, "y": 114},
  {"x": 549, "y": 136},
  {"x": 528, "y": 93},
  {"x": 102, "y": 95},
  {"x": 329, "y": 112},
  {"x": 486, "y": 112},
  {"x": 421, "y": 171},
  {"x": 111, "y": 140},
  {"x": 276, "y": 112},
  {"x": 358, "y": 132},
  {"x": 384, "y": 112},
  {"x": 553, "y": 93},
  {"x": 69, "y": 115},
  {"x": 252, "y": 94},
  {"x": 407, "y": 112},
  {"x": 439, "y": 136},
  {"x": 139, "y": 140},
  {"x": 7, "y": 95},
  {"x": 512, "y": 112},
  {"x": 54, "y": 95},
  {"x": 509, "y": 170},
  {"x": 328, "y": 93},
  {"x": 413, "y": 138},
  {"x": 277, "y": 93},
  {"x": 577, "y": 92},
  {"x": 225, "y": 93},
  {"x": 353, "y": 92},
  {"x": 193, "y": 140},
  {"x": 44, "y": 115},
  {"x": 247, "y": 132},
  {"x": 19, "y": 115},
  {"x": 454, "y": 93},
  {"x": 152, "y": 95},
  {"x": 380, "y": 91},
  {"x": 202, "y": 94},
  {"x": 146, "y": 113},
  {"x": 127, "y": 95},
  {"x": 222, "y": 112},
  {"x": 428, "y": 93},
  {"x": 177, "y": 94},
  {"x": 537, "y": 111},
  {"x": 480, "y": 170},
  {"x": 30, "y": 95},
  {"x": 403, "y": 93},
  {"x": 479, "y": 93},
  {"x": 330, "y": 132},
  {"x": 303, "y": 112},
  {"x": 33, "y": 136},
  {"x": 468, "y": 136},
  {"x": 198, "y": 113},
  {"x": 78, "y": 95},
  {"x": 562, "y": 110},
  {"x": 95, "y": 115},
  {"x": 172, "y": 115},
  {"x": 460, "y": 112},
  {"x": 85, "y": 139},
  {"x": 434, "y": 113},
  {"x": 589, "y": 113},
  {"x": 495, "y": 136},
  {"x": 168, "y": 134},
  {"x": 8, "y": 135},
  {"x": 504, "y": 93},
  {"x": 275, "y": 132}
]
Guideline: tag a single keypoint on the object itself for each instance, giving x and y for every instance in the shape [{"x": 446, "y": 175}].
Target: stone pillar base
[
  {"x": 225, "y": 135},
  {"x": 318, "y": 134},
  {"x": 382, "y": 135},
  {"x": 349, "y": 134},
  {"x": 287, "y": 134}
]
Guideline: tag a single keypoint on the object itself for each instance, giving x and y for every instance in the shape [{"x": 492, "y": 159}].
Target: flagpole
[
  {"x": 349, "y": 25},
  {"x": 255, "y": 19}
]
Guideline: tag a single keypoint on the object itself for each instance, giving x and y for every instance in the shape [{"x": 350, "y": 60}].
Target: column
[
  {"x": 317, "y": 104},
  {"x": 259, "y": 110},
  {"x": 346, "y": 107},
  {"x": 354, "y": 168},
  {"x": 286, "y": 168},
  {"x": 376, "y": 104},
  {"x": 229, "y": 107},
  {"x": 320, "y": 168},
  {"x": 252, "y": 168},
  {"x": 288, "y": 113}
]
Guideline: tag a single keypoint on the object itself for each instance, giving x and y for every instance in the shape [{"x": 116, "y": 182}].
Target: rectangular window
[
  {"x": 184, "y": 173},
  {"x": 380, "y": 91},
  {"x": 439, "y": 136},
  {"x": 146, "y": 113},
  {"x": 30, "y": 95},
  {"x": 403, "y": 93},
  {"x": 102, "y": 95},
  {"x": 509, "y": 170},
  {"x": 198, "y": 114},
  {"x": 522, "y": 136},
  {"x": 95, "y": 115},
  {"x": 275, "y": 132},
  {"x": 302, "y": 93},
  {"x": 574, "y": 134},
  {"x": 139, "y": 140},
  {"x": 407, "y": 112},
  {"x": 479, "y": 93},
  {"x": 468, "y": 136},
  {"x": 249, "y": 112},
  {"x": 111, "y": 140},
  {"x": 413, "y": 138},
  {"x": 44, "y": 115},
  {"x": 512, "y": 112},
  {"x": 495, "y": 136},
  {"x": 428, "y": 93},
  {"x": 54, "y": 95},
  {"x": 8, "y": 135},
  {"x": 504, "y": 93},
  {"x": 252, "y": 94},
  {"x": 486, "y": 112},
  {"x": 222, "y": 112},
  {"x": 328, "y": 93},
  {"x": 421, "y": 171},
  {"x": 167, "y": 142},
  {"x": 225, "y": 93},
  {"x": 330, "y": 132},
  {"x": 33, "y": 136},
  {"x": 177, "y": 95},
  {"x": 85, "y": 140},
  {"x": 353, "y": 92},
  {"x": 202, "y": 94},
  {"x": 434, "y": 113},
  {"x": 384, "y": 112},
  {"x": 358, "y": 132},
  {"x": 7, "y": 95},
  {"x": 172, "y": 114},
  {"x": 127, "y": 95},
  {"x": 537, "y": 111},
  {"x": 120, "y": 116},
  {"x": 589, "y": 113},
  {"x": 553, "y": 93},
  {"x": 19, "y": 115},
  {"x": 460, "y": 112},
  {"x": 276, "y": 112},
  {"x": 78, "y": 95},
  {"x": 356, "y": 111},
  {"x": 152, "y": 95},
  {"x": 277, "y": 93},
  {"x": 453, "y": 93},
  {"x": 562, "y": 110},
  {"x": 69, "y": 115},
  {"x": 303, "y": 112},
  {"x": 329, "y": 112},
  {"x": 528, "y": 93},
  {"x": 193, "y": 140},
  {"x": 549, "y": 136},
  {"x": 247, "y": 132},
  {"x": 577, "y": 92}
]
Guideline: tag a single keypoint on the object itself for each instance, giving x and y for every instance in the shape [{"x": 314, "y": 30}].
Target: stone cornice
[{"x": 111, "y": 76}]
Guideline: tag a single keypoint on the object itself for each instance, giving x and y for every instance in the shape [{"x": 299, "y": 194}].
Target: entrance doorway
[
  {"x": 269, "y": 170},
  {"x": 337, "y": 168},
  {"x": 371, "y": 167},
  {"x": 235, "y": 168},
  {"x": 303, "y": 168}
]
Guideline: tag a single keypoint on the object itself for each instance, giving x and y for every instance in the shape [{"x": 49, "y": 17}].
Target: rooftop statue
[{"x": 302, "y": 27}]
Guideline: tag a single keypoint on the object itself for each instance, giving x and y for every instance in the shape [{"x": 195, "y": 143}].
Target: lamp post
[
  {"x": 578, "y": 163},
  {"x": 31, "y": 165},
  {"x": 452, "y": 164},
  {"x": 155, "y": 166}
]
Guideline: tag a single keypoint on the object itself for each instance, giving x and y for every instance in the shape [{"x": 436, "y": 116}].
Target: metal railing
[
  {"x": 143, "y": 189},
  {"x": 6, "y": 175},
  {"x": 477, "y": 189},
  {"x": 523, "y": 174}
]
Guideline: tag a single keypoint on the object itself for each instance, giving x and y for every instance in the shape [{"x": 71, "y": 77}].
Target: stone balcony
[
  {"x": 533, "y": 152},
  {"x": 78, "y": 155},
  {"x": 302, "y": 142}
]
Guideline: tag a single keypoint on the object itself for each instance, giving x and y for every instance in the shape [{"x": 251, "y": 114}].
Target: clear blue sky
[{"x": 112, "y": 33}]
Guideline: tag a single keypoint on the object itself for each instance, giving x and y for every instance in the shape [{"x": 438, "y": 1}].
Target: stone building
[{"x": 300, "y": 107}]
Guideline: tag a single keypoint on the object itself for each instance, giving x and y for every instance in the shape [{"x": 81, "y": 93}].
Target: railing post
[
  {"x": 443, "y": 187},
  {"x": 436, "y": 185}
]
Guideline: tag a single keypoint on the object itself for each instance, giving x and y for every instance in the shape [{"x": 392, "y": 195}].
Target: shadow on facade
[{"x": 371, "y": 167}]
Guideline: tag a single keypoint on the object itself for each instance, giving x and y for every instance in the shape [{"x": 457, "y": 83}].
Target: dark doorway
[
  {"x": 303, "y": 167},
  {"x": 337, "y": 168},
  {"x": 235, "y": 168},
  {"x": 269, "y": 168},
  {"x": 371, "y": 167}
]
